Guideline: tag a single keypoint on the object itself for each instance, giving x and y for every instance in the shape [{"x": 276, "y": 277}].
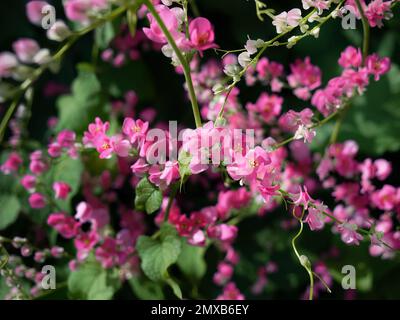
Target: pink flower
[
  {"x": 135, "y": 130},
  {"x": 350, "y": 57},
  {"x": 269, "y": 106},
  {"x": 247, "y": 166},
  {"x": 224, "y": 273},
  {"x": 349, "y": 233},
  {"x": 77, "y": 10},
  {"x": 302, "y": 198},
  {"x": 34, "y": 11},
  {"x": 61, "y": 190},
  {"x": 385, "y": 198},
  {"x": 66, "y": 138},
  {"x": 83, "y": 212},
  {"x": 184, "y": 226},
  {"x": 96, "y": 131},
  {"x": 170, "y": 172},
  {"x": 230, "y": 292},
  {"x": 377, "y": 66},
  {"x": 84, "y": 242},
  {"x": 37, "y": 201},
  {"x": 197, "y": 238},
  {"x": 8, "y": 62},
  {"x": 11, "y": 164},
  {"x": 377, "y": 11},
  {"x": 28, "y": 182},
  {"x": 26, "y": 49},
  {"x": 107, "y": 253},
  {"x": 65, "y": 225},
  {"x": 383, "y": 168},
  {"x": 170, "y": 20},
  {"x": 201, "y": 34},
  {"x": 304, "y": 78},
  {"x": 223, "y": 232},
  {"x": 140, "y": 166},
  {"x": 116, "y": 144},
  {"x": 291, "y": 120},
  {"x": 54, "y": 150}
]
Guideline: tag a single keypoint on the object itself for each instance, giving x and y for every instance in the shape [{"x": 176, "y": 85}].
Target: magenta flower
[
  {"x": 37, "y": 201},
  {"x": 350, "y": 57},
  {"x": 84, "y": 243},
  {"x": 12, "y": 163},
  {"x": 28, "y": 182},
  {"x": 65, "y": 225},
  {"x": 201, "y": 34},
  {"x": 377, "y": 66},
  {"x": 61, "y": 190}
]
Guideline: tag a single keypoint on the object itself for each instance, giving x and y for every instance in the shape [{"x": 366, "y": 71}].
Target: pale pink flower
[
  {"x": 8, "y": 62},
  {"x": 34, "y": 11},
  {"x": 26, "y": 49}
]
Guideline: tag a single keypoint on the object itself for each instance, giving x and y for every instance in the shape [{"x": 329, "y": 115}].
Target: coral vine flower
[
  {"x": 135, "y": 130},
  {"x": 37, "y": 201},
  {"x": 286, "y": 20},
  {"x": 247, "y": 166},
  {"x": 61, "y": 190},
  {"x": 201, "y": 34},
  {"x": 65, "y": 225}
]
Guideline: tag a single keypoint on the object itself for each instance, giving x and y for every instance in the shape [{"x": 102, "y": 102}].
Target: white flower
[
  {"x": 42, "y": 57},
  {"x": 303, "y": 132},
  {"x": 59, "y": 31},
  {"x": 252, "y": 45},
  {"x": 244, "y": 59},
  {"x": 287, "y": 20}
]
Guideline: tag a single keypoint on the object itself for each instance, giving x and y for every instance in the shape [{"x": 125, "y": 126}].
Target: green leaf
[
  {"x": 9, "y": 209},
  {"x": 145, "y": 289},
  {"x": 159, "y": 254},
  {"x": 175, "y": 287},
  {"x": 68, "y": 170},
  {"x": 191, "y": 261},
  {"x": 184, "y": 159},
  {"x": 86, "y": 101},
  {"x": 148, "y": 197},
  {"x": 92, "y": 282},
  {"x": 104, "y": 34}
]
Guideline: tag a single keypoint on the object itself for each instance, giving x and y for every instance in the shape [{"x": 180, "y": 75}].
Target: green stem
[
  {"x": 182, "y": 60},
  {"x": 365, "y": 30},
  {"x": 172, "y": 195},
  {"x": 305, "y": 266}
]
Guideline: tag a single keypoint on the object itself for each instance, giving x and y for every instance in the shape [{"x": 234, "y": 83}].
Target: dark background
[{"x": 374, "y": 122}]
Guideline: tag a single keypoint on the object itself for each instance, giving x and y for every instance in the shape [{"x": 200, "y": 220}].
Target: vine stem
[
  {"x": 172, "y": 195},
  {"x": 182, "y": 60},
  {"x": 25, "y": 85},
  {"x": 365, "y": 30},
  {"x": 304, "y": 264}
]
